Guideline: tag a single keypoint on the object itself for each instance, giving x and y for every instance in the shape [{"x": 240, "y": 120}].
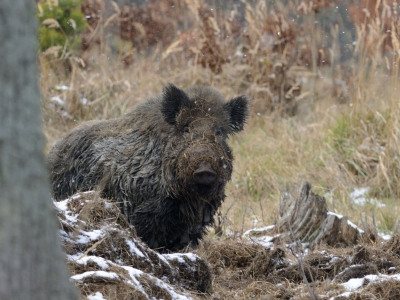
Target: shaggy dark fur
[{"x": 166, "y": 163}]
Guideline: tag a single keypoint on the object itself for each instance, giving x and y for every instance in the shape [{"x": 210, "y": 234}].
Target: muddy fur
[{"x": 146, "y": 161}]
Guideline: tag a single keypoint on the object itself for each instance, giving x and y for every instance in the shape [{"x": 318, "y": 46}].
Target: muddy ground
[{"x": 108, "y": 261}]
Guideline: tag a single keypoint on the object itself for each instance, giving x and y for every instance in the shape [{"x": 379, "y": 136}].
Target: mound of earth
[
  {"x": 309, "y": 254},
  {"x": 107, "y": 259},
  {"x": 244, "y": 269}
]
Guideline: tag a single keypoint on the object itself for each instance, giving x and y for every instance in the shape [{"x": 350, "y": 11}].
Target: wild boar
[{"x": 166, "y": 163}]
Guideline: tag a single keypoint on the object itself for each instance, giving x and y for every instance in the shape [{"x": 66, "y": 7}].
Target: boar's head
[{"x": 200, "y": 160}]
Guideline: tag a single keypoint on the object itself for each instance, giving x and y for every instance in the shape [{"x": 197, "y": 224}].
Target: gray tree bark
[
  {"x": 32, "y": 265},
  {"x": 306, "y": 219}
]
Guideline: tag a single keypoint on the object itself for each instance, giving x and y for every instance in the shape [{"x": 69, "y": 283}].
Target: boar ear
[
  {"x": 238, "y": 110},
  {"x": 173, "y": 100}
]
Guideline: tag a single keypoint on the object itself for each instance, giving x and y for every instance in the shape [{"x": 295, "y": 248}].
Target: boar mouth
[{"x": 204, "y": 190}]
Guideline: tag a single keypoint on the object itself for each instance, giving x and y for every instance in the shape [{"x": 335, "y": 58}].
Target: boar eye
[
  {"x": 218, "y": 132},
  {"x": 186, "y": 129}
]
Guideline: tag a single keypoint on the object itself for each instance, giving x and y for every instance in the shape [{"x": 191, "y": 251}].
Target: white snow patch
[
  {"x": 161, "y": 256},
  {"x": 265, "y": 241},
  {"x": 133, "y": 274},
  {"x": 170, "y": 290},
  {"x": 77, "y": 196},
  {"x": 61, "y": 87},
  {"x": 101, "y": 262},
  {"x": 329, "y": 213},
  {"x": 261, "y": 229},
  {"x": 333, "y": 259},
  {"x": 75, "y": 256},
  {"x": 96, "y": 296},
  {"x": 353, "y": 284},
  {"x": 108, "y": 205},
  {"x": 179, "y": 257},
  {"x": 134, "y": 249},
  {"x": 355, "y": 226},
  {"x": 193, "y": 257},
  {"x": 385, "y": 236},
  {"x": 66, "y": 115},
  {"x": 358, "y": 197},
  {"x": 89, "y": 236},
  {"x": 103, "y": 274},
  {"x": 57, "y": 100},
  {"x": 63, "y": 207},
  {"x": 356, "y": 283},
  {"x": 174, "y": 256}
]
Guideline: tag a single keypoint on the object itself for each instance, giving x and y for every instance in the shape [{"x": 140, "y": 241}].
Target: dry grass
[{"x": 342, "y": 131}]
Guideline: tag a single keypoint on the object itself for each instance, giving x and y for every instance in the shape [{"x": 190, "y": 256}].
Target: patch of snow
[
  {"x": 329, "y": 213},
  {"x": 66, "y": 115},
  {"x": 175, "y": 256},
  {"x": 57, "y": 100},
  {"x": 239, "y": 53},
  {"x": 79, "y": 195},
  {"x": 96, "y": 296},
  {"x": 355, "y": 226},
  {"x": 179, "y": 257},
  {"x": 62, "y": 206},
  {"x": 385, "y": 236},
  {"x": 161, "y": 256},
  {"x": 174, "y": 295},
  {"x": 333, "y": 259},
  {"x": 358, "y": 197},
  {"x": 101, "y": 262},
  {"x": 265, "y": 241},
  {"x": 61, "y": 87},
  {"x": 108, "y": 205},
  {"x": 103, "y": 274},
  {"x": 193, "y": 257},
  {"x": 75, "y": 256},
  {"x": 133, "y": 274},
  {"x": 134, "y": 249},
  {"x": 89, "y": 236},
  {"x": 261, "y": 229},
  {"x": 353, "y": 284},
  {"x": 356, "y": 283}
]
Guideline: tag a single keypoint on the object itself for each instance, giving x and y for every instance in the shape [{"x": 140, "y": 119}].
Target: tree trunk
[{"x": 31, "y": 260}]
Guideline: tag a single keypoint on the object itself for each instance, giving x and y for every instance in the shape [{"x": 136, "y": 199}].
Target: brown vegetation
[
  {"x": 105, "y": 256},
  {"x": 318, "y": 115}
]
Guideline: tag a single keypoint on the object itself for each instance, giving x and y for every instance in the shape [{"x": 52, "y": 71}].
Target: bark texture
[
  {"x": 306, "y": 218},
  {"x": 31, "y": 260}
]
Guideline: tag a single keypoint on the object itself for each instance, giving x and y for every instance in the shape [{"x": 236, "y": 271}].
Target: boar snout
[{"x": 204, "y": 174}]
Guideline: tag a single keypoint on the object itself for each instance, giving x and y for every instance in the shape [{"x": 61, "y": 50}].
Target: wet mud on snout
[{"x": 205, "y": 167}]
